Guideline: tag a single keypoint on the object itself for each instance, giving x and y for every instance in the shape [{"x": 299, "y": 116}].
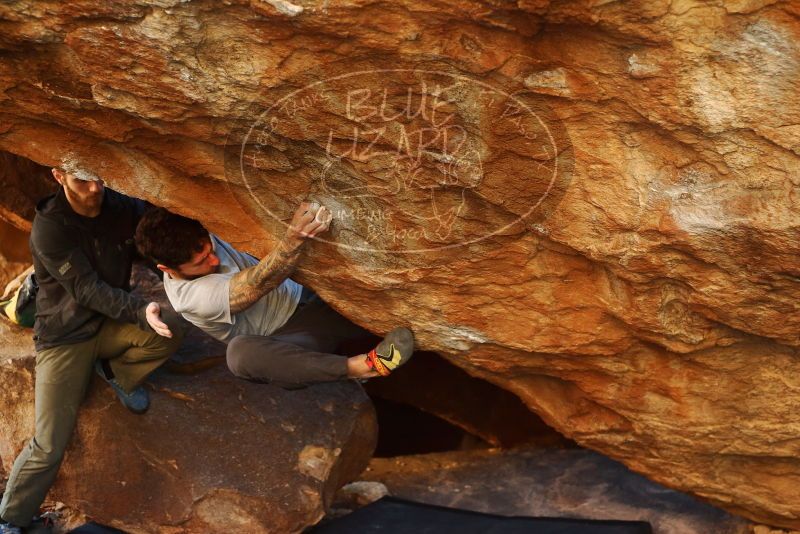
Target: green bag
[{"x": 21, "y": 307}]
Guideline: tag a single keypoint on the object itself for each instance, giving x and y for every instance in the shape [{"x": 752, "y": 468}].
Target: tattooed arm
[{"x": 249, "y": 285}]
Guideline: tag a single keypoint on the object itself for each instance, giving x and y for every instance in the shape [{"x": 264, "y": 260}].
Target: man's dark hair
[{"x": 169, "y": 238}]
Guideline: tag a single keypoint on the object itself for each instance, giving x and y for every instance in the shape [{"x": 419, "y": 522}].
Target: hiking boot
[
  {"x": 137, "y": 401},
  {"x": 8, "y": 528},
  {"x": 395, "y": 350}
]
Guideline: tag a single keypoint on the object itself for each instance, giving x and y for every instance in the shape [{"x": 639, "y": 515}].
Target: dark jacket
[{"x": 83, "y": 266}]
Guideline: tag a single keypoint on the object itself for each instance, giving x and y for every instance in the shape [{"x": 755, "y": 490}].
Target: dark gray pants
[{"x": 301, "y": 351}]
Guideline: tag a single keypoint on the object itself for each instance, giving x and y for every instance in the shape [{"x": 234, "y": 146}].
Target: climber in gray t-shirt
[
  {"x": 276, "y": 330},
  {"x": 205, "y": 301}
]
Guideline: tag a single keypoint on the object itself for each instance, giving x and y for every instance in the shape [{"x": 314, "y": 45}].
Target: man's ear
[
  {"x": 58, "y": 175},
  {"x": 171, "y": 272}
]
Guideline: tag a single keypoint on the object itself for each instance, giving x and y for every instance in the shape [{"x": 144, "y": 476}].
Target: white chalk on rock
[{"x": 286, "y": 8}]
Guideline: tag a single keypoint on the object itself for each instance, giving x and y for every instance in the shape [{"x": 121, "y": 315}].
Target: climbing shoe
[
  {"x": 395, "y": 350},
  {"x": 8, "y": 528},
  {"x": 137, "y": 401}
]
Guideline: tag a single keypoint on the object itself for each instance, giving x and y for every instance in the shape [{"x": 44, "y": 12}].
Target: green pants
[{"x": 62, "y": 377}]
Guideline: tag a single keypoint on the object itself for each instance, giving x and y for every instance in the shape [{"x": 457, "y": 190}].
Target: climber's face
[
  {"x": 202, "y": 263},
  {"x": 84, "y": 195}
]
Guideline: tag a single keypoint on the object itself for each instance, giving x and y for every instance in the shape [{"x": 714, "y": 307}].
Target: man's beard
[
  {"x": 93, "y": 201},
  {"x": 89, "y": 202}
]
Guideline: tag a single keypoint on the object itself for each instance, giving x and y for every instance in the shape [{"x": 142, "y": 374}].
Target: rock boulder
[
  {"x": 591, "y": 204},
  {"x": 214, "y": 454},
  {"x": 545, "y": 483}
]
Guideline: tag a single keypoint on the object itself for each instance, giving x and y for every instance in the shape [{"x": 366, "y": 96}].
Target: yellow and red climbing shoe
[{"x": 395, "y": 350}]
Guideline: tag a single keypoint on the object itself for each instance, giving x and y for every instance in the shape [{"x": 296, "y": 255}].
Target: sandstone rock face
[
  {"x": 591, "y": 204},
  {"x": 214, "y": 454},
  {"x": 23, "y": 182},
  {"x": 14, "y": 254}
]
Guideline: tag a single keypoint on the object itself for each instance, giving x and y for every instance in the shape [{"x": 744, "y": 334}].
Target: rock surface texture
[
  {"x": 23, "y": 182},
  {"x": 14, "y": 254},
  {"x": 545, "y": 483},
  {"x": 593, "y": 205},
  {"x": 214, "y": 454}
]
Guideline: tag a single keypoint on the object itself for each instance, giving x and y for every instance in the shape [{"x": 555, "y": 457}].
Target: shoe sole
[{"x": 403, "y": 340}]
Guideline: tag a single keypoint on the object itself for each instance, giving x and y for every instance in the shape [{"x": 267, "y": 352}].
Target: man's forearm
[
  {"x": 251, "y": 284},
  {"x": 84, "y": 285},
  {"x": 91, "y": 292}
]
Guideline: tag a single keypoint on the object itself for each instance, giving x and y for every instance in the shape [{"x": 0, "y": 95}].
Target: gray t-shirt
[{"x": 205, "y": 301}]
